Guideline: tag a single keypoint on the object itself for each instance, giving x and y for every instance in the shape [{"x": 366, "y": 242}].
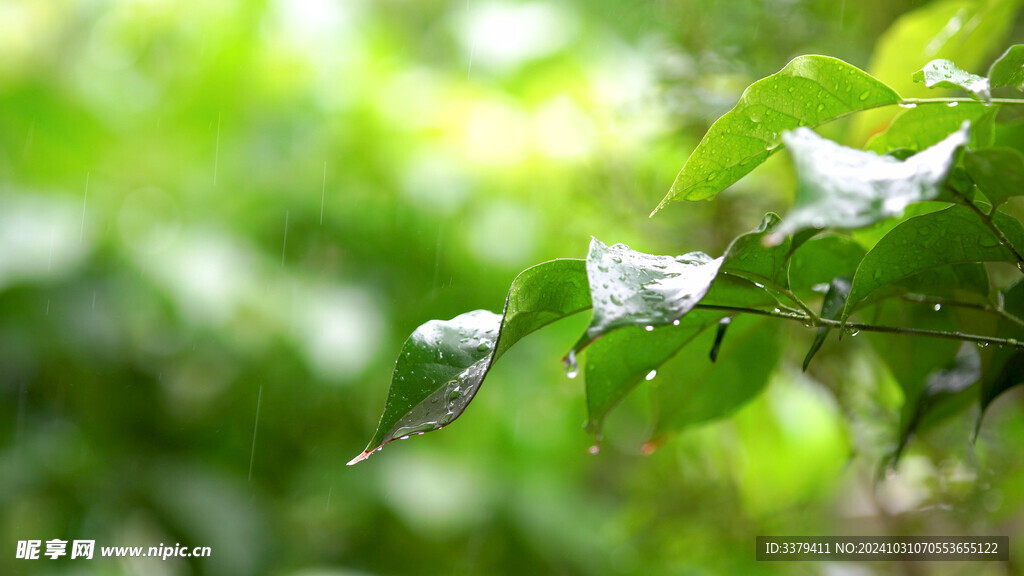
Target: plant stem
[
  {"x": 1010, "y": 101},
  {"x": 987, "y": 219},
  {"x": 765, "y": 282},
  {"x": 858, "y": 326},
  {"x": 923, "y": 299}
]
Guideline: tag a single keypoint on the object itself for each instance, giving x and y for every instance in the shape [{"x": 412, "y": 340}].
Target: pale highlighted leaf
[
  {"x": 443, "y": 363},
  {"x": 1008, "y": 70},
  {"x": 847, "y": 188},
  {"x": 943, "y": 73},
  {"x": 809, "y": 91}
]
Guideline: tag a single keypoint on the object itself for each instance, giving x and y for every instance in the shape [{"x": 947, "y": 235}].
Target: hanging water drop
[
  {"x": 982, "y": 344},
  {"x": 572, "y": 369},
  {"x": 937, "y": 307}
]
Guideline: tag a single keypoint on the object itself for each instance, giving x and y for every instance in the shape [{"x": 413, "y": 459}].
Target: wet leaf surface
[
  {"x": 944, "y": 73},
  {"x": 809, "y": 91}
]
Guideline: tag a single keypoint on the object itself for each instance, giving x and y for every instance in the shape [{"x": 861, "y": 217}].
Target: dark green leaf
[
  {"x": 443, "y": 363},
  {"x": 630, "y": 288},
  {"x": 938, "y": 398},
  {"x": 831, "y": 309},
  {"x": 943, "y": 73},
  {"x": 809, "y": 91},
  {"x": 949, "y": 236},
  {"x": 621, "y": 359},
  {"x": 998, "y": 173},
  {"x": 1008, "y": 70},
  {"x": 925, "y": 125},
  {"x": 691, "y": 389},
  {"x": 847, "y": 188},
  {"x": 1004, "y": 366}
]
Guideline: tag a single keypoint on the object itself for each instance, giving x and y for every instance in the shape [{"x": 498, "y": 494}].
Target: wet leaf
[
  {"x": 846, "y": 188},
  {"x": 630, "y": 288},
  {"x": 949, "y": 236},
  {"x": 809, "y": 91},
  {"x": 998, "y": 173},
  {"x": 443, "y": 363},
  {"x": 1008, "y": 70},
  {"x": 926, "y": 125},
  {"x": 831, "y": 309},
  {"x": 691, "y": 389},
  {"x": 944, "y": 73}
]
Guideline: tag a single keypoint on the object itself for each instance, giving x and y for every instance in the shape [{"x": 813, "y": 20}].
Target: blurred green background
[{"x": 220, "y": 220}]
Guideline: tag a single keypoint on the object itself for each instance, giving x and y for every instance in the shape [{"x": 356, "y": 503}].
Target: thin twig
[{"x": 861, "y": 326}]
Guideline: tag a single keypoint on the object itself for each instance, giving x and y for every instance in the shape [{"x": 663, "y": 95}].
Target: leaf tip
[{"x": 362, "y": 456}]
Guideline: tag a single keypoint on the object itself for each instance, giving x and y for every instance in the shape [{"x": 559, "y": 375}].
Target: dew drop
[
  {"x": 937, "y": 307},
  {"x": 907, "y": 105},
  {"x": 864, "y": 95},
  {"x": 649, "y": 328},
  {"x": 594, "y": 450},
  {"x": 1020, "y": 266},
  {"x": 650, "y": 375},
  {"x": 572, "y": 369},
  {"x": 675, "y": 322},
  {"x": 953, "y": 104},
  {"x": 982, "y": 344}
]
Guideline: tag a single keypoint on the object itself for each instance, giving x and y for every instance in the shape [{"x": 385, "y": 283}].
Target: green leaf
[
  {"x": 998, "y": 173},
  {"x": 847, "y": 188},
  {"x": 941, "y": 396},
  {"x": 443, "y": 363},
  {"x": 964, "y": 30},
  {"x": 953, "y": 235},
  {"x": 815, "y": 264},
  {"x": 1004, "y": 366},
  {"x": 1008, "y": 70},
  {"x": 809, "y": 91},
  {"x": 925, "y": 125},
  {"x": 831, "y": 309},
  {"x": 630, "y": 288},
  {"x": 691, "y": 389},
  {"x": 622, "y": 359},
  {"x": 749, "y": 257},
  {"x": 943, "y": 73}
]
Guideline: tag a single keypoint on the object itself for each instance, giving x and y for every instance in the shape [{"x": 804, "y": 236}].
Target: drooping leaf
[
  {"x": 815, "y": 264},
  {"x": 443, "y": 363},
  {"x": 925, "y": 125},
  {"x": 847, "y": 188},
  {"x": 691, "y": 389},
  {"x": 1008, "y": 70},
  {"x": 949, "y": 236},
  {"x": 630, "y": 288},
  {"x": 622, "y": 359},
  {"x": 831, "y": 309},
  {"x": 944, "y": 73},
  {"x": 941, "y": 396},
  {"x": 911, "y": 361},
  {"x": 998, "y": 173},
  {"x": 809, "y": 91},
  {"x": 749, "y": 257},
  {"x": 967, "y": 31},
  {"x": 1003, "y": 367}
]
